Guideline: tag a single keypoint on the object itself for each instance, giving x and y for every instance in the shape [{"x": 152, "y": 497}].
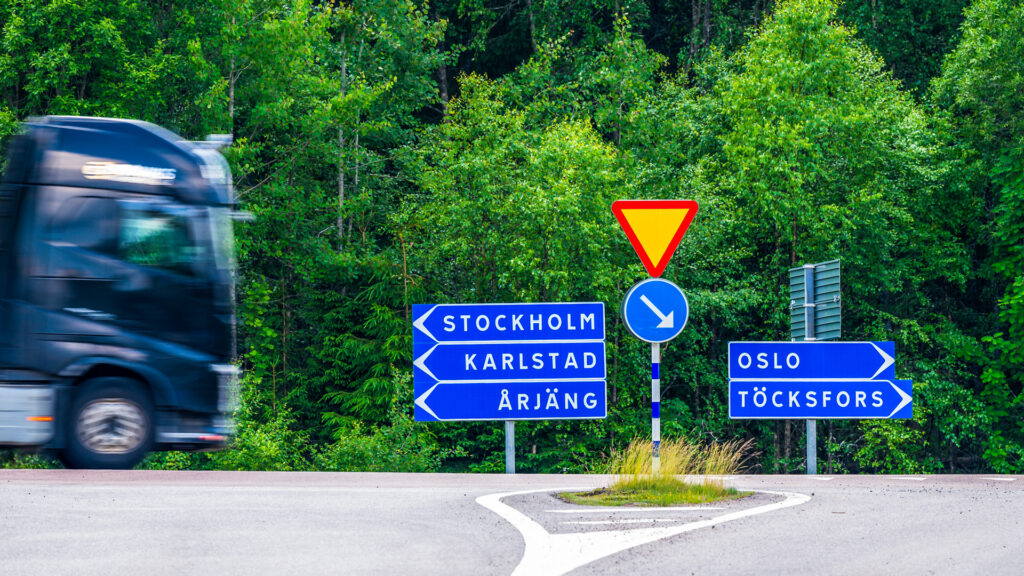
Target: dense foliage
[{"x": 398, "y": 152}]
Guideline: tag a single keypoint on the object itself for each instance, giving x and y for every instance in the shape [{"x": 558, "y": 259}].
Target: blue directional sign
[
  {"x": 504, "y": 361},
  {"x": 508, "y": 322},
  {"x": 812, "y": 360},
  {"x": 816, "y": 380},
  {"x": 850, "y": 399},
  {"x": 512, "y": 401},
  {"x": 509, "y": 361},
  {"x": 655, "y": 310}
]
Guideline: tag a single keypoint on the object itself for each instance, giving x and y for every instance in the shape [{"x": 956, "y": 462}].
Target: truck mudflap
[
  {"x": 190, "y": 431},
  {"x": 27, "y": 414},
  {"x": 201, "y": 432}
]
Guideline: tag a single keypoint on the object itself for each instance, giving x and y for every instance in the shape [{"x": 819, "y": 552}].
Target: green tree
[
  {"x": 911, "y": 36},
  {"x": 823, "y": 156},
  {"x": 982, "y": 92},
  {"x": 107, "y": 58},
  {"x": 514, "y": 214}
]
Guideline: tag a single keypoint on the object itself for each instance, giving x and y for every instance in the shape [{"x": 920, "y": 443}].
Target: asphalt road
[{"x": 75, "y": 522}]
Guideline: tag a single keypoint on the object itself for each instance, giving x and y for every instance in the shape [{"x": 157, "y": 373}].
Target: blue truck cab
[{"x": 116, "y": 292}]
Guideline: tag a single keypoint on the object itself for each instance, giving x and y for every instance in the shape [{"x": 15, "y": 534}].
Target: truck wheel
[{"x": 110, "y": 425}]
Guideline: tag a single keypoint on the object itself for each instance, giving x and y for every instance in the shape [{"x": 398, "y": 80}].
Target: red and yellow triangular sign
[{"x": 654, "y": 228}]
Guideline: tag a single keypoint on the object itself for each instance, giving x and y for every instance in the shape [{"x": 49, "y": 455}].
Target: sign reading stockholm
[
  {"x": 816, "y": 380},
  {"x": 509, "y": 361}
]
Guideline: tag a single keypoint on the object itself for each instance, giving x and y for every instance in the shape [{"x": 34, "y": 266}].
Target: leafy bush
[
  {"x": 404, "y": 446},
  {"x": 18, "y": 459},
  {"x": 896, "y": 446}
]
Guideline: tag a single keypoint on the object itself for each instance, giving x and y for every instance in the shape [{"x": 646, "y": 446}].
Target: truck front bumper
[{"x": 27, "y": 414}]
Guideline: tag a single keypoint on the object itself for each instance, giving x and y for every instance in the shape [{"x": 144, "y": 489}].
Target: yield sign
[{"x": 654, "y": 228}]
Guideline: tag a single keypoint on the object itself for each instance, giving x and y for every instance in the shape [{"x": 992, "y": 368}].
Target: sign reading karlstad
[{"x": 509, "y": 361}]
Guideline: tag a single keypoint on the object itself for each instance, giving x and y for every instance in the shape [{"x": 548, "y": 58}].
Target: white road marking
[
  {"x": 624, "y": 521},
  {"x": 909, "y": 478},
  {"x": 555, "y": 554},
  {"x": 658, "y": 509},
  {"x": 1000, "y": 479},
  {"x": 821, "y": 478}
]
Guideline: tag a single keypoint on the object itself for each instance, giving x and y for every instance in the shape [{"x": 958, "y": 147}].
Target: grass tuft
[{"x": 687, "y": 474}]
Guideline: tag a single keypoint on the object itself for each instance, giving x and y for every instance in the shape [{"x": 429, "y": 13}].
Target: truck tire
[{"x": 110, "y": 425}]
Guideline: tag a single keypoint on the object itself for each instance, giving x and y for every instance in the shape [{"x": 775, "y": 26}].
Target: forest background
[{"x": 397, "y": 152}]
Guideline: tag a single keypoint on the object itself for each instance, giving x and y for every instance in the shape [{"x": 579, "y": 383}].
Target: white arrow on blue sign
[
  {"x": 655, "y": 310},
  {"x": 848, "y": 399},
  {"x": 509, "y": 361}
]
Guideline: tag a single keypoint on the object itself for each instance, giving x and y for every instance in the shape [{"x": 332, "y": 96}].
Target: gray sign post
[
  {"x": 510, "y": 446},
  {"x": 815, "y": 312}
]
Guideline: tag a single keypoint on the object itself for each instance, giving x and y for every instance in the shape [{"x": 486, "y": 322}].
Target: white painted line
[
  {"x": 607, "y": 509},
  {"x": 1000, "y": 479},
  {"x": 821, "y": 478},
  {"x": 909, "y": 478},
  {"x": 625, "y": 521},
  {"x": 556, "y": 554}
]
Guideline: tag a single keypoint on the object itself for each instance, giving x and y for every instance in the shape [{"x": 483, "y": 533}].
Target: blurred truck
[{"x": 116, "y": 292}]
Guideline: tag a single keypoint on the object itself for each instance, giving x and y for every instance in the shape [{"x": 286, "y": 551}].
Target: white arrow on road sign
[
  {"x": 666, "y": 321},
  {"x": 421, "y": 323},
  {"x": 886, "y": 362},
  {"x": 655, "y": 310},
  {"x": 422, "y": 401},
  {"x": 904, "y": 397},
  {"x": 421, "y": 363}
]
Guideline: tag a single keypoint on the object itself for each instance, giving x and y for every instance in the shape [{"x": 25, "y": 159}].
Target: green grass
[{"x": 687, "y": 474}]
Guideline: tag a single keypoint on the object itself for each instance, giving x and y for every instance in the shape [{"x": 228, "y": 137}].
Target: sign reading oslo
[
  {"x": 509, "y": 361},
  {"x": 655, "y": 310},
  {"x": 811, "y": 360}
]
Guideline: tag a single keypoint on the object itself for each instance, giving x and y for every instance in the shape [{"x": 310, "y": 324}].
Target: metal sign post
[
  {"x": 655, "y": 407},
  {"x": 510, "y": 447},
  {"x": 815, "y": 315},
  {"x": 655, "y": 310},
  {"x": 812, "y": 425}
]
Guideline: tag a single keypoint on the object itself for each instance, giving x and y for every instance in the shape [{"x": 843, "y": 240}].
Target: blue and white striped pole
[{"x": 655, "y": 407}]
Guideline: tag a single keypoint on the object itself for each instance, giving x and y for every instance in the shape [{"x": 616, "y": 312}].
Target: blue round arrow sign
[{"x": 655, "y": 310}]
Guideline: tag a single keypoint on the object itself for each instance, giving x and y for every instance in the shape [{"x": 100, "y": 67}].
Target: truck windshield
[
  {"x": 154, "y": 235},
  {"x": 223, "y": 239}
]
